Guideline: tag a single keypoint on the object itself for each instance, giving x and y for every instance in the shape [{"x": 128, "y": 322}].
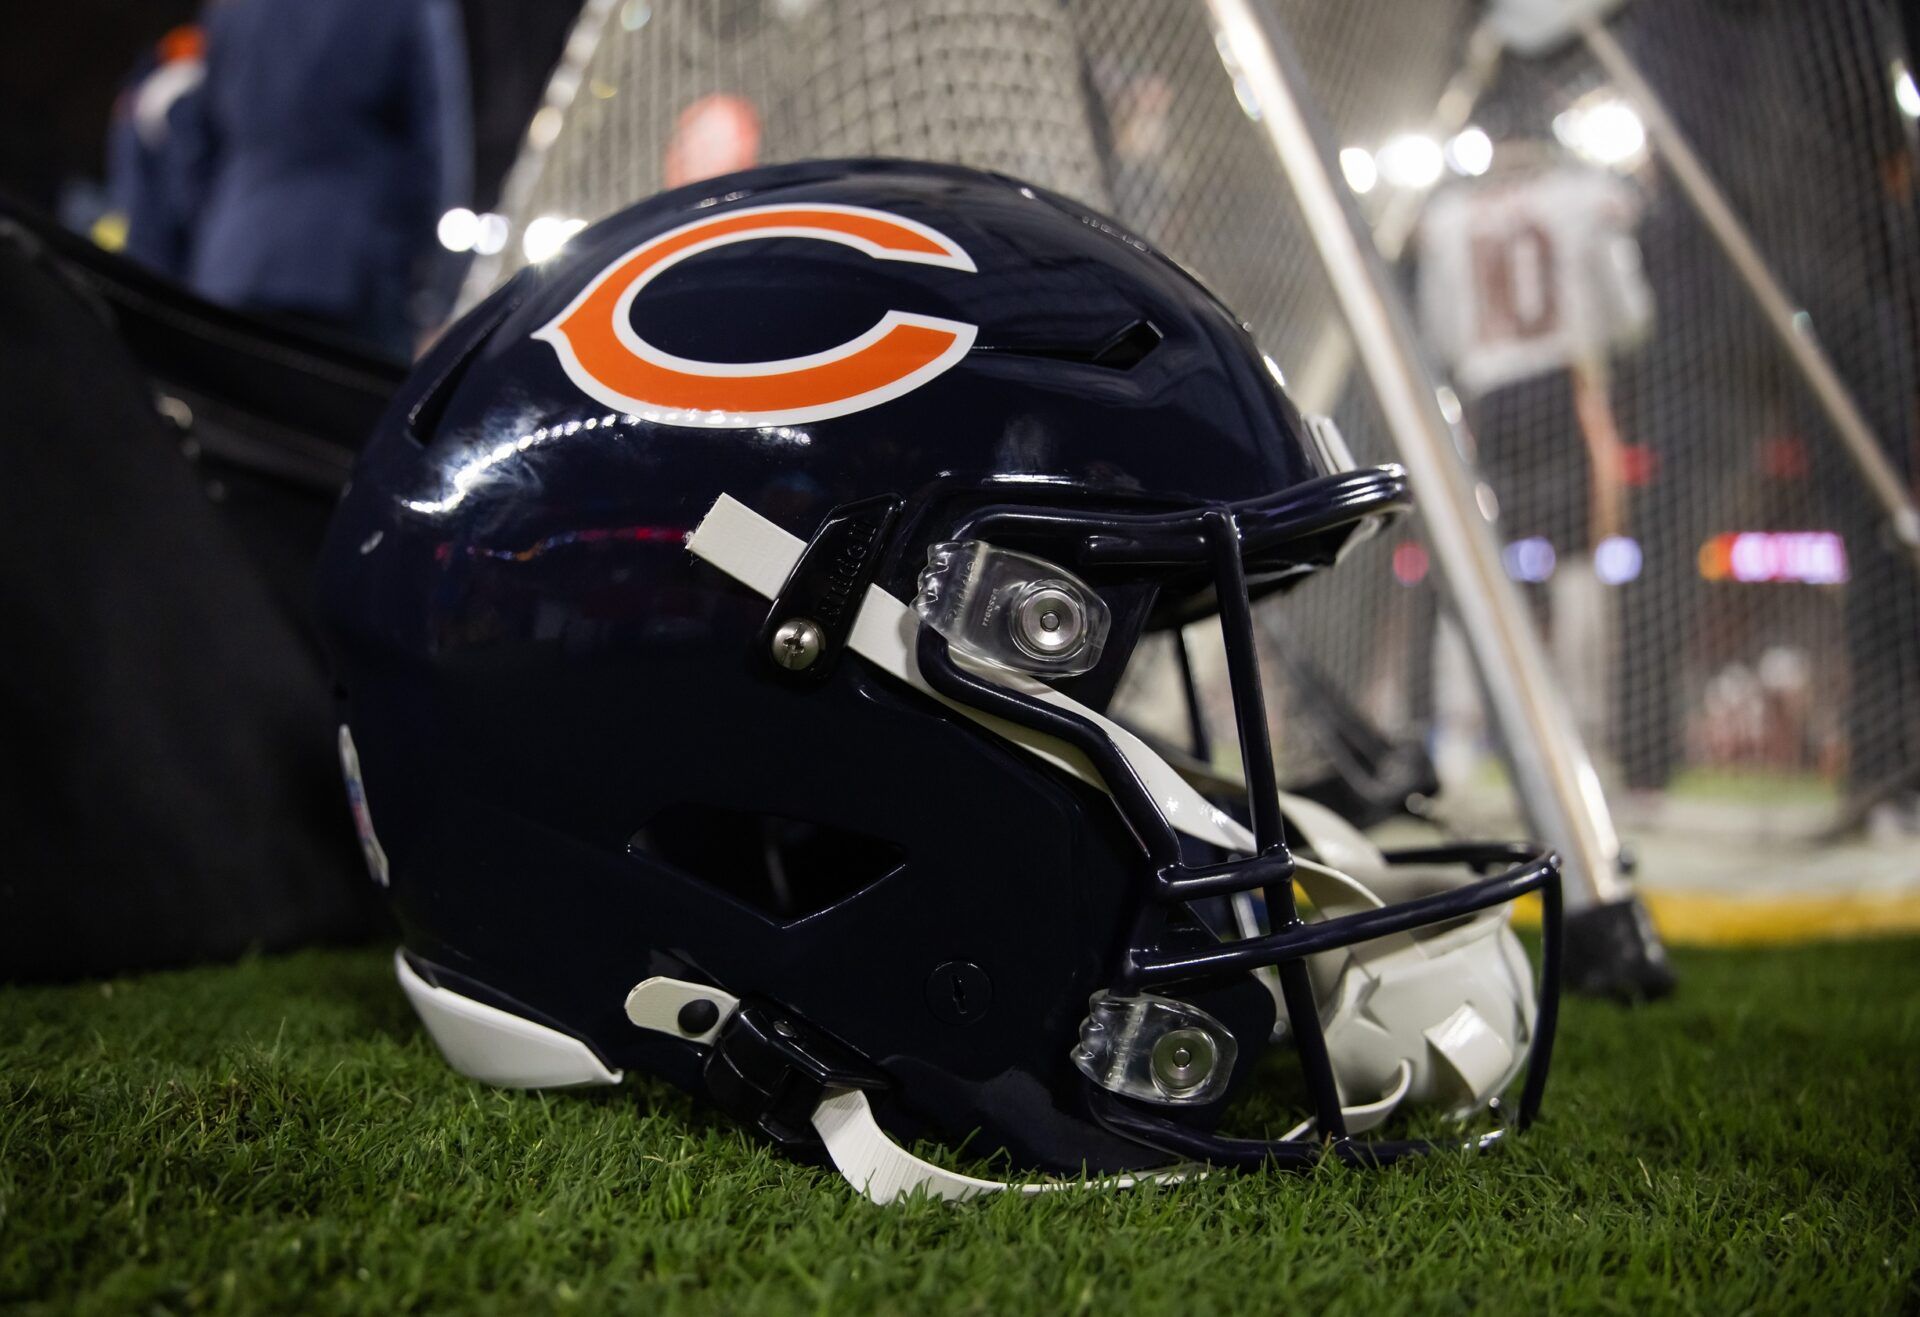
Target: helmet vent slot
[
  {"x": 783, "y": 867},
  {"x": 1121, "y": 351},
  {"x": 423, "y": 418}
]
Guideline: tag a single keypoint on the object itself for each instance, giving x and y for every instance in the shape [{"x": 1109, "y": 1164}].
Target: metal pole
[
  {"x": 1790, "y": 323},
  {"x": 1450, "y": 114},
  {"x": 1319, "y": 383},
  {"x": 1555, "y": 779},
  {"x": 563, "y": 87}
]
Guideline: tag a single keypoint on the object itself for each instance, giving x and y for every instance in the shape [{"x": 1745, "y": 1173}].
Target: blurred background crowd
[{"x": 285, "y": 158}]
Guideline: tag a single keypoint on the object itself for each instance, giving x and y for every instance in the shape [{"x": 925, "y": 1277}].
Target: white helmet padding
[{"x": 1439, "y": 1017}]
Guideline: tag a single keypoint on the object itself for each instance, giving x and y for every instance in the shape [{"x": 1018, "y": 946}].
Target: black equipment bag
[{"x": 168, "y": 787}]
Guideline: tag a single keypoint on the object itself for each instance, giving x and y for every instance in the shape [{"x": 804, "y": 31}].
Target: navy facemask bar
[{"x": 1221, "y": 541}]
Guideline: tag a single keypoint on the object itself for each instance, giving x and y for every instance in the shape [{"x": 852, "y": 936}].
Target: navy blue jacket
[
  {"x": 329, "y": 137},
  {"x": 140, "y": 183}
]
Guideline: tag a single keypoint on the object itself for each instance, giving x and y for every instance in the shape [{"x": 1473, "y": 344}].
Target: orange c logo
[{"x": 602, "y": 354}]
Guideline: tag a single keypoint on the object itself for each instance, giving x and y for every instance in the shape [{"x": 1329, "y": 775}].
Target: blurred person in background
[
  {"x": 148, "y": 219},
  {"x": 328, "y": 138}
]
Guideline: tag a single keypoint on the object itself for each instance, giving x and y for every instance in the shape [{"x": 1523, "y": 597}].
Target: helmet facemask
[
  {"x": 1366, "y": 1034},
  {"x": 1356, "y": 974}
]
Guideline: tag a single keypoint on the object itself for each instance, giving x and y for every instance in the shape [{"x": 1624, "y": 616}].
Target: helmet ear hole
[{"x": 785, "y": 868}]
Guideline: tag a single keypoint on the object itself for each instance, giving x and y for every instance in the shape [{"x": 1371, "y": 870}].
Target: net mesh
[
  {"x": 1679, "y": 682},
  {"x": 1712, "y": 687}
]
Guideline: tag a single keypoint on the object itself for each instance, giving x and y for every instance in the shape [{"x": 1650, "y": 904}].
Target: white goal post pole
[
  {"x": 1324, "y": 376},
  {"x": 1790, "y": 323},
  {"x": 1555, "y": 778}
]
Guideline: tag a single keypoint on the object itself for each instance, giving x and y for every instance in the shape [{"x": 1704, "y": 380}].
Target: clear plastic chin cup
[{"x": 1011, "y": 609}]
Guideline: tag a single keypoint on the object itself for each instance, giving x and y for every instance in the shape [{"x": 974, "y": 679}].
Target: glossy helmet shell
[{"x": 575, "y": 748}]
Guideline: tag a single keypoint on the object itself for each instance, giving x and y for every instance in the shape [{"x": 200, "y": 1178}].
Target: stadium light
[
  {"x": 458, "y": 229},
  {"x": 490, "y": 234},
  {"x": 1411, "y": 160},
  {"x": 1605, "y": 131},
  {"x": 1617, "y": 559},
  {"x": 1531, "y": 560},
  {"x": 1357, "y": 164},
  {"x": 1470, "y": 152}
]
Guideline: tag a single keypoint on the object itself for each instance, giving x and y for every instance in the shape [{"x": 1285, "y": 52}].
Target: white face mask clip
[
  {"x": 1155, "y": 1049},
  {"x": 1012, "y": 610}
]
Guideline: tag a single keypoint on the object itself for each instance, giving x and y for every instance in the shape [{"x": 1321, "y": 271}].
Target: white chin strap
[
  {"x": 1439, "y": 1017},
  {"x": 861, "y": 1151}
]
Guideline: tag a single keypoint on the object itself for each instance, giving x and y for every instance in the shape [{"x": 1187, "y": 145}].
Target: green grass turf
[
  {"x": 1757, "y": 787},
  {"x": 280, "y": 1136}
]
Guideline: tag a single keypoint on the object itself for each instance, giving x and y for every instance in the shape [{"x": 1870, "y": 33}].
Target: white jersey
[{"x": 1531, "y": 274}]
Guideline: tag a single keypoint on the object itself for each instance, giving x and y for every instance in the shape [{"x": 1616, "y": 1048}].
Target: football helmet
[{"x": 728, "y": 619}]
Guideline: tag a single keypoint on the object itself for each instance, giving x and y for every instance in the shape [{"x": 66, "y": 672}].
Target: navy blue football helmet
[{"x": 728, "y": 619}]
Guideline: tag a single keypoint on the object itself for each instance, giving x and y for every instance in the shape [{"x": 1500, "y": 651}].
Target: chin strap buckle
[
  {"x": 804, "y": 1091},
  {"x": 763, "y": 1067},
  {"x": 771, "y": 1073}
]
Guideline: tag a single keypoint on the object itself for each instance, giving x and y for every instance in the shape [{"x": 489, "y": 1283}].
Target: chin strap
[
  {"x": 883, "y": 1170},
  {"x": 860, "y": 1150},
  {"x": 880, "y": 1168}
]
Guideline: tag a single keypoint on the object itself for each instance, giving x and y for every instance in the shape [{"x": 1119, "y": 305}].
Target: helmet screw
[
  {"x": 1049, "y": 622},
  {"x": 797, "y": 644},
  {"x": 1183, "y": 1061}
]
